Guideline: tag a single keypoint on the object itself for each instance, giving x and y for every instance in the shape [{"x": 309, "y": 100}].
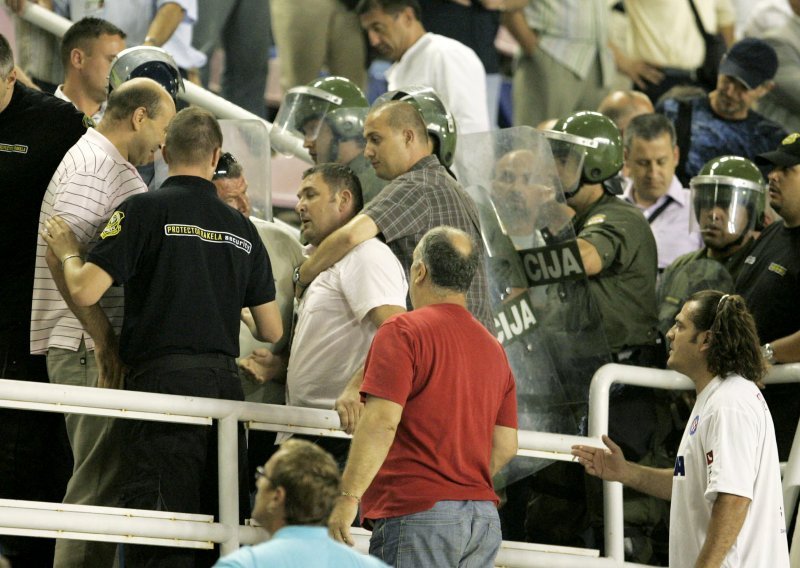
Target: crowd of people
[{"x": 450, "y": 282}]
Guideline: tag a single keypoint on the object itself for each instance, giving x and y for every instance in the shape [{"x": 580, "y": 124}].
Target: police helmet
[
  {"x": 146, "y": 61},
  {"x": 599, "y": 140},
  {"x": 336, "y": 100},
  {"x": 729, "y": 184},
  {"x": 438, "y": 120}
]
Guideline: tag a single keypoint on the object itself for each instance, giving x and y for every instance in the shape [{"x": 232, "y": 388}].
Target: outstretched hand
[{"x": 609, "y": 465}]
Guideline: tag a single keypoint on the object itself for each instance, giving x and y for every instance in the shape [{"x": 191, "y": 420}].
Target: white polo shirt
[{"x": 90, "y": 182}]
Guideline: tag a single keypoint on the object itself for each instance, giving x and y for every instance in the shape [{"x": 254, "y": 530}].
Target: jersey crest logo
[
  {"x": 596, "y": 219},
  {"x": 693, "y": 427},
  {"x": 114, "y": 225}
]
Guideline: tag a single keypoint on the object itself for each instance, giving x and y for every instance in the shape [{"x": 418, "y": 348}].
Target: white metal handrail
[
  {"x": 194, "y": 94},
  {"x": 139, "y": 526}
]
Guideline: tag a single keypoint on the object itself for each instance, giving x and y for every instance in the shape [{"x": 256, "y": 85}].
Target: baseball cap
[
  {"x": 751, "y": 61},
  {"x": 787, "y": 154}
]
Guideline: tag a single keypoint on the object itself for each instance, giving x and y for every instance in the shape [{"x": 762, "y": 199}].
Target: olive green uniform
[
  {"x": 693, "y": 272},
  {"x": 625, "y": 289}
]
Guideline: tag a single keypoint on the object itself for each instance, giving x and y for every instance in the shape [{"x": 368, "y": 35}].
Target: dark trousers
[
  {"x": 35, "y": 458},
  {"x": 173, "y": 467}
]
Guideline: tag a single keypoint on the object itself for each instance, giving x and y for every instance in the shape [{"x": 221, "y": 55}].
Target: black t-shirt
[
  {"x": 189, "y": 263},
  {"x": 770, "y": 282},
  {"x": 36, "y": 130}
]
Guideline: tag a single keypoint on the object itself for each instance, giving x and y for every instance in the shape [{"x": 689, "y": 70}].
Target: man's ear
[
  {"x": 138, "y": 117},
  {"x": 422, "y": 273},
  {"x": 76, "y": 58},
  {"x": 214, "y": 158},
  {"x": 345, "y": 198},
  {"x": 705, "y": 340},
  {"x": 165, "y": 154},
  {"x": 408, "y": 136}
]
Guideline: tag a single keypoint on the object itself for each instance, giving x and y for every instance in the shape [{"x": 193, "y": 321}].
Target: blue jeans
[{"x": 458, "y": 534}]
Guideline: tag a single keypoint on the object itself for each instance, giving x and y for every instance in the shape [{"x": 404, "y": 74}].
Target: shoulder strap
[
  {"x": 697, "y": 19},
  {"x": 683, "y": 133},
  {"x": 660, "y": 210}
]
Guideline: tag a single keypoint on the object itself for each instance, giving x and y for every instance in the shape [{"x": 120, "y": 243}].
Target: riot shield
[
  {"x": 248, "y": 142},
  {"x": 543, "y": 311}
]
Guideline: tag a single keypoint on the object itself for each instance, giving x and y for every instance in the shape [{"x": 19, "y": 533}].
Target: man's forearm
[
  {"x": 653, "y": 481},
  {"x": 92, "y": 318},
  {"x": 164, "y": 24},
  {"x": 787, "y": 349},
  {"x": 336, "y": 246},
  {"x": 727, "y": 518},
  {"x": 368, "y": 451}
]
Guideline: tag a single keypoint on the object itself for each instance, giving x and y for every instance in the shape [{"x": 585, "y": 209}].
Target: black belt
[{"x": 179, "y": 362}]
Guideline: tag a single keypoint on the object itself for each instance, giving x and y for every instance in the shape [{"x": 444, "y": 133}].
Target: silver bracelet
[{"x": 66, "y": 258}]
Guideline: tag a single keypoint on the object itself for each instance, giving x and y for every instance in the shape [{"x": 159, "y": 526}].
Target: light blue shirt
[{"x": 299, "y": 547}]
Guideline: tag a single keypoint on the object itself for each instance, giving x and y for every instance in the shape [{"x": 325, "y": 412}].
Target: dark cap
[
  {"x": 751, "y": 61},
  {"x": 787, "y": 154}
]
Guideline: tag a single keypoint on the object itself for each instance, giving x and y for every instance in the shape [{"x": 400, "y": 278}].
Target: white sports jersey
[{"x": 729, "y": 447}]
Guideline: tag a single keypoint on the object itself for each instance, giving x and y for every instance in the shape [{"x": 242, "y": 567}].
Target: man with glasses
[{"x": 297, "y": 489}]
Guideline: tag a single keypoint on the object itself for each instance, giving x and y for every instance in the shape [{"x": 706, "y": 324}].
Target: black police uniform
[
  {"x": 188, "y": 263},
  {"x": 36, "y": 130},
  {"x": 769, "y": 281}
]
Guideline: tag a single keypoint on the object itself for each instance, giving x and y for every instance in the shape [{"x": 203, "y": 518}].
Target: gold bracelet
[
  {"x": 347, "y": 494},
  {"x": 66, "y": 258}
]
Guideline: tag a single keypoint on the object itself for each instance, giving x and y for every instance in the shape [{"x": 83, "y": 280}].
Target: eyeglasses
[{"x": 226, "y": 160}]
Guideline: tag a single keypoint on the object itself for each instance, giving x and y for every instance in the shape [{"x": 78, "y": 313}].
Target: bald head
[
  {"x": 450, "y": 257},
  {"x": 396, "y": 138},
  {"x": 622, "y": 106},
  {"x": 133, "y": 94}
]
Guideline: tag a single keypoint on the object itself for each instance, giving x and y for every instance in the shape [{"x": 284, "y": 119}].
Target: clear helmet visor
[
  {"x": 724, "y": 208},
  {"x": 299, "y": 119},
  {"x": 569, "y": 153}
]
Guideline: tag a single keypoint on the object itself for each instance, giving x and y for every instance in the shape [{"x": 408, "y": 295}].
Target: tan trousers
[
  {"x": 96, "y": 449},
  {"x": 310, "y": 34},
  {"x": 543, "y": 89}
]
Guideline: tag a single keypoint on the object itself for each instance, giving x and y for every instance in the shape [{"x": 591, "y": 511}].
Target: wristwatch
[
  {"x": 768, "y": 353},
  {"x": 296, "y": 278}
]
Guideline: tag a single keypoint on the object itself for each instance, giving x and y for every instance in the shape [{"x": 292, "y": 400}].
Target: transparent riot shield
[
  {"x": 248, "y": 141},
  {"x": 543, "y": 312}
]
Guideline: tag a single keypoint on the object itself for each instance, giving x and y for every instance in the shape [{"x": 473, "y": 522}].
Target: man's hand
[
  {"x": 110, "y": 368},
  {"x": 60, "y": 238},
  {"x": 341, "y": 519},
  {"x": 609, "y": 465},
  {"x": 261, "y": 365},
  {"x": 639, "y": 72},
  {"x": 349, "y": 408}
]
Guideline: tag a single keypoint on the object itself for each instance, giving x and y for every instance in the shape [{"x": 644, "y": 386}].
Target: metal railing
[
  {"x": 194, "y": 94},
  {"x": 176, "y": 529}
]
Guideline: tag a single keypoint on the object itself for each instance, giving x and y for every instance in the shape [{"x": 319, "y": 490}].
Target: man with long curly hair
[{"x": 725, "y": 488}]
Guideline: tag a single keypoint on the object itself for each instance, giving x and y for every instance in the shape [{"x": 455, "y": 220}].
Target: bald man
[
  {"x": 94, "y": 177},
  {"x": 421, "y": 196},
  {"x": 623, "y": 106},
  {"x": 423, "y": 477}
]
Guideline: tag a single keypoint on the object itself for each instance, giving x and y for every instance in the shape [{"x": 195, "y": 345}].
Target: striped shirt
[
  {"x": 88, "y": 185},
  {"x": 574, "y": 33}
]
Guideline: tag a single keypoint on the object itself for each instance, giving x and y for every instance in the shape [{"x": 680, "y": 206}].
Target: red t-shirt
[{"x": 452, "y": 379}]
